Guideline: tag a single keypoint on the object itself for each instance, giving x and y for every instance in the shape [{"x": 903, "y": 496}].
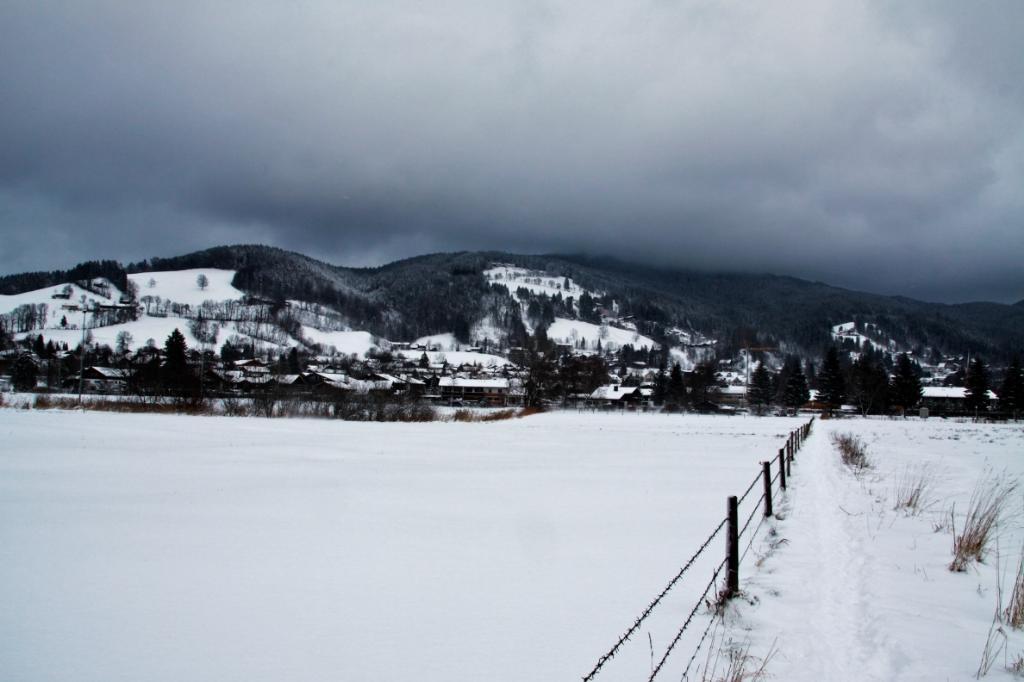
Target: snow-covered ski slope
[{"x": 165, "y": 548}]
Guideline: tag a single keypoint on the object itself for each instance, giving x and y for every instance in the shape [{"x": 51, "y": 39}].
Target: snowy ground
[
  {"x": 168, "y": 548},
  {"x": 859, "y": 591},
  {"x": 206, "y": 548},
  {"x": 181, "y": 286}
]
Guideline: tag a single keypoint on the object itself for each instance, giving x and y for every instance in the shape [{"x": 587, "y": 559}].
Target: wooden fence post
[
  {"x": 732, "y": 549},
  {"x": 766, "y": 474},
  {"x": 782, "y": 470}
]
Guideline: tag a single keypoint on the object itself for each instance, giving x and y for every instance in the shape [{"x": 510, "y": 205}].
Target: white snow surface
[
  {"x": 180, "y": 285},
  {"x": 350, "y": 342},
  {"x": 142, "y": 329},
  {"x": 456, "y": 358},
  {"x": 571, "y": 331},
  {"x": 208, "y": 548},
  {"x": 442, "y": 342},
  {"x": 54, "y": 310},
  {"x": 535, "y": 281},
  {"x": 858, "y": 591}
]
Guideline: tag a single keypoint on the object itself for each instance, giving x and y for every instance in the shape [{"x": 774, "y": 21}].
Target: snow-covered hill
[
  {"x": 535, "y": 281},
  {"x": 181, "y": 286},
  {"x": 577, "y": 332}
]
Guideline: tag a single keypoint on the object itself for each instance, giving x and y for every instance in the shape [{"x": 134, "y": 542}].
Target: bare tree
[{"x": 202, "y": 281}]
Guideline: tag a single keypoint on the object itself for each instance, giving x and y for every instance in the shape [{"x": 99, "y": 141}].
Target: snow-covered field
[
  {"x": 351, "y": 342},
  {"x": 206, "y": 548},
  {"x": 168, "y": 548},
  {"x": 611, "y": 338},
  {"x": 536, "y": 282},
  {"x": 181, "y": 286}
]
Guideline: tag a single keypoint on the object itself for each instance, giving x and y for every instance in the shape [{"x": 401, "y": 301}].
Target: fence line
[{"x": 784, "y": 461}]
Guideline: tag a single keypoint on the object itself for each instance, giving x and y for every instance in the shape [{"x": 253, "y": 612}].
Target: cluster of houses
[{"x": 467, "y": 385}]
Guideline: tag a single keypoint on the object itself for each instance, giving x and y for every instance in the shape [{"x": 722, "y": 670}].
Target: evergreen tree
[
  {"x": 661, "y": 383},
  {"x": 1011, "y": 391},
  {"x": 175, "y": 370},
  {"x": 424, "y": 361},
  {"x": 760, "y": 389},
  {"x": 24, "y": 373},
  {"x": 869, "y": 384},
  {"x": 977, "y": 385},
  {"x": 796, "y": 394},
  {"x": 702, "y": 382},
  {"x": 906, "y": 386},
  {"x": 229, "y": 353},
  {"x": 831, "y": 384},
  {"x": 676, "y": 389}
]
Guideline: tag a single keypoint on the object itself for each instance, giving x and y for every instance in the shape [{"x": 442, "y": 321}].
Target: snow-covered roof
[
  {"x": 458, "y": 382},
  {"x": 109, "y": 372},
  {"x": 612, "y": 392},
  {"x": 948, "y": 392},
  {"x": 733, "y": 390}
]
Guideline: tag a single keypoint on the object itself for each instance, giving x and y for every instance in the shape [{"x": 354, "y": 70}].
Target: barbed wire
[
  {"x": 715, "y": 617},
  {"x": 757, "y": 508},
  {"x": 686, "y": 623},
  {"x": 650, "y": 607},
  {"x": 753, "y": 536},
  {"x": 747, "y": 491},
  {"x": 797, "y": 442}
]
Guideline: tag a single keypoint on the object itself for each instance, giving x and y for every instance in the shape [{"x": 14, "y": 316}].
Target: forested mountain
[{"x": 450, "y": 292}]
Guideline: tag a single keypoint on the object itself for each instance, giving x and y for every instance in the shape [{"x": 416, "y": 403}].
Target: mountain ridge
[{"x": 447, "y": 292}]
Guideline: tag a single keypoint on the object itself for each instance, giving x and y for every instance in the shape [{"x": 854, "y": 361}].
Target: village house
[
  {"x": 482, "y": 391},
  {"x": 617, "y": 395}
]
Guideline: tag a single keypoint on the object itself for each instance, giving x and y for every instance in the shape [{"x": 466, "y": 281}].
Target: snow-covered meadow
[{"x": 209, "y": 548}]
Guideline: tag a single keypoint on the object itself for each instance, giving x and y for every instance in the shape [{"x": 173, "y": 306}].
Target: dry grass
[
  {"x": 913, "y": 490},
  {"x": 1013, "y": 614},
  {"x": 500, "y": 415},
  {"x": 987, "y": 507},
  {"x": 852, "y": 451},
  {"x": 738, "y": 665}
]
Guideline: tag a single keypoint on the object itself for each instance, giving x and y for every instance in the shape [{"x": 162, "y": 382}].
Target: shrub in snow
[
  {"x": 851, "y": 450},
  {"x": 988, "y": 503}
]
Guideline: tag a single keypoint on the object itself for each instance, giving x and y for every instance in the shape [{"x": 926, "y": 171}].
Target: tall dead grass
[
  {"x": 500, "y": 415},
  {"x": 913, "y": 491},
  {"x": 984, "y": 512},
  {"x": 1013, "y": 614},
  {"x": 852, "y": 451}
]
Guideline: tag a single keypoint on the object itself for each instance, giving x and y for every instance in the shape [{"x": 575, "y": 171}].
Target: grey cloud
[{"x": 874, "y": 145}]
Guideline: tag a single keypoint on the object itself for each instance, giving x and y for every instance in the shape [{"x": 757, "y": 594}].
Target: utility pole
[{"x": 81, "y": 348}]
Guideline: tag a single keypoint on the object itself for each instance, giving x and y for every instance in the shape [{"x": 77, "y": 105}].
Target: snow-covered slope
[
  {"x": 535, "y": 281},
  {"x": 181, "y": 286},
  {"x": 350, "y": 342},
  {"x": 456, "y": 358},
  {"x": 69, "y": 294},
  {"x": 574, "y": 331}
]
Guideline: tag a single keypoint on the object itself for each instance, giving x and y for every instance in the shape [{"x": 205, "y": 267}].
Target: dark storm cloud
[{"x": 874, "y": 145}]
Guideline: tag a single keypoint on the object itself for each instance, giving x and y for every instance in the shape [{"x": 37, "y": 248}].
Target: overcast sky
[{"x": 873, "y": 145}]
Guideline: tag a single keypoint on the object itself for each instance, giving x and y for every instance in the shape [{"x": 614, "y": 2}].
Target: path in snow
[
  {"x": 828, "y": 635},
  {"x": 858, "y": 591}
]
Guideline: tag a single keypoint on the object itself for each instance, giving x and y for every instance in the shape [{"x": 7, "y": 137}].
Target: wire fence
[{"x": 716, "y": 595}]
